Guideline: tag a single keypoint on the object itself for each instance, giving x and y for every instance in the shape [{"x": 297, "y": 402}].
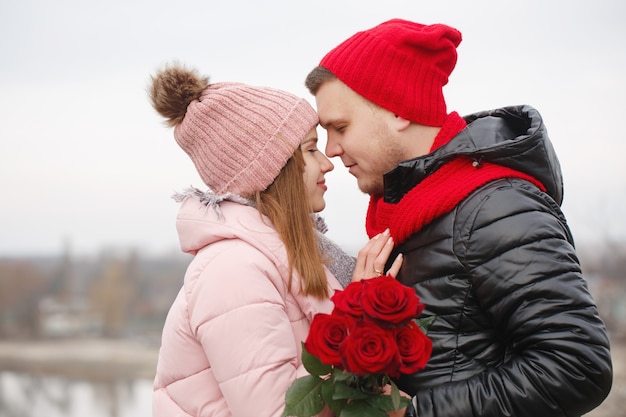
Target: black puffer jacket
[{"x": 516, "y": 331}]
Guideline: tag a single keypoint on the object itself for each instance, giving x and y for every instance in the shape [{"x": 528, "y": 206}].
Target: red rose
[
  {"x": 387, "y": 300},
  {"x": 325, "y": 335},
  {"x": 414, "y": 348},
  {"x": 370, "y": 349},
  {"x": 348, "y": 301}
]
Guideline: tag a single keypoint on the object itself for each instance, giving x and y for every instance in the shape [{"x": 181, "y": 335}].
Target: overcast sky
[{"x": 86, "y": 163}]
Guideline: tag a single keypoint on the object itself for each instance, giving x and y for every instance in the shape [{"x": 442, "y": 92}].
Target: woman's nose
[{"x": 327, "y": 166}]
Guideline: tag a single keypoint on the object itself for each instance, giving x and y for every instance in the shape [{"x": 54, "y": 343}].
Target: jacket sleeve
[
  {"x": 524, "y": 272},
  {"x": 238, "y": 314}
]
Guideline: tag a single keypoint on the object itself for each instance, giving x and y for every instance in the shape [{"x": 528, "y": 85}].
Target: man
[{"x": 473, "y": 204}]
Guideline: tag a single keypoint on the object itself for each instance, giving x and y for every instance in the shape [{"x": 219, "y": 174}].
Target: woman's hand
[
  {"x": 372, "y": 258},
  {"x": 397, "y": 413}
]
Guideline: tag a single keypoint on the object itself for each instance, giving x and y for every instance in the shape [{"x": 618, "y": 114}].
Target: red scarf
[{"x": 438, "y": 193}]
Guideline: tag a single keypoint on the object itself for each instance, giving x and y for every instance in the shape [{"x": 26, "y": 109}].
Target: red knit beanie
[{"x": 399, "y": 65}]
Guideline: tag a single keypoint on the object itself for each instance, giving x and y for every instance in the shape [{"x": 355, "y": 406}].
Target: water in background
[{"x": 24, "y": 395}]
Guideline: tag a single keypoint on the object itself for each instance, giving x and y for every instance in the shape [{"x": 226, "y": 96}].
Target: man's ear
[{"x": 400, "y": 123}]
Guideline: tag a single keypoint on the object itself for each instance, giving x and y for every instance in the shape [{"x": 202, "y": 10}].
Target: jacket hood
[
  {"x": 514, "y": 137},
  {"x": 205, "y": 218}
]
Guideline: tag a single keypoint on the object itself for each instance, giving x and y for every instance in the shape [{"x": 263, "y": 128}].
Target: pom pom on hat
[
  {"x": 238, "y": 136},
  {"x": 173, "y": 89},
  {"x": 399, "y": 65}
]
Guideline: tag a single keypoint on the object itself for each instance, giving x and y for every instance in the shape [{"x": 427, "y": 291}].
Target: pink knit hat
[
  {"x": 399, "y": 65},
  {"x": 240, "y": 137}
]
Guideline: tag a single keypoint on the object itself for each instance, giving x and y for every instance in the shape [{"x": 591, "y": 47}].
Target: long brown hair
[{"x": 286, "y": 203}]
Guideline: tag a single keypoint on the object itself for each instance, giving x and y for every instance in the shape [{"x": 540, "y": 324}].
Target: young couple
[{"x": 471, "y": 203}]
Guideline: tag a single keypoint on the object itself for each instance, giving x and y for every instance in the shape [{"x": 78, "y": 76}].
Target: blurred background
[{"x": 89, "y": 258}]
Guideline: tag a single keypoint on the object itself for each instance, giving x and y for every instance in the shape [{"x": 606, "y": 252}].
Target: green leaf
[
  {"x": 314, "y": 365},
  {"x": 303, "y": 398},
  {"x": 361, "y": 408},
  {"x": 395, "y": 395},
  {"x": 424, "y": 323},
  {"x": 328, "y": 391},
  {"x": 344, "y": 391},
  {"x": 386, "y": 402},
  {"x": 344, "y": 376}
]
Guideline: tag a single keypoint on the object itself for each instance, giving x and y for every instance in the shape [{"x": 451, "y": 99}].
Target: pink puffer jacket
[{"x": 231, "y": 343}]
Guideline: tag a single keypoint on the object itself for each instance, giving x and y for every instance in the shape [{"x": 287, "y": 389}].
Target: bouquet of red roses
[{"x": 373, "y": 334}]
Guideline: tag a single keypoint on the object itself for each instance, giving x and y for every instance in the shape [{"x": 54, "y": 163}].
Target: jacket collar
[{"x": 513, "y": 137}]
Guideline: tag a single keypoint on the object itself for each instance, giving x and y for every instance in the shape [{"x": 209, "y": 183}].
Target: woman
[{"x": 232, "y": 339}]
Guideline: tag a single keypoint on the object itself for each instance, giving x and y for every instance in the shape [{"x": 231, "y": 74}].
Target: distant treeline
[{"x": 126, "y": 295}]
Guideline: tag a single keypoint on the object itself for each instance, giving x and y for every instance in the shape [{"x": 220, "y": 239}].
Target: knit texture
[
  {"x": 239, "y": 137},
  {"x": 399, "y": 65},
  {"x": 438, "y": 193},
  {"x": 337, "y": 260}
]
